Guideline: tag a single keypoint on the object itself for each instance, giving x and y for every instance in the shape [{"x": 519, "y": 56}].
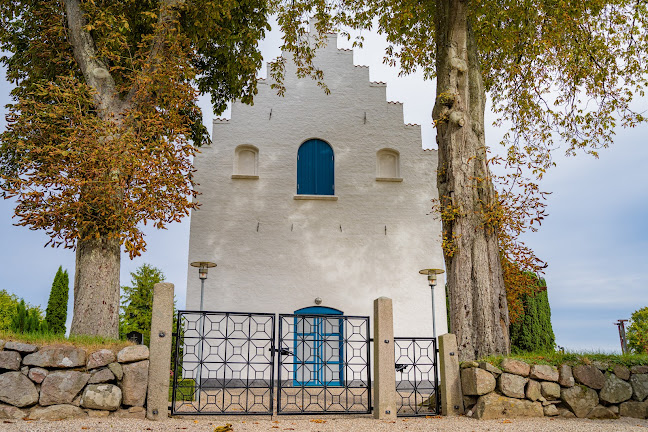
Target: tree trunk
[
  {"x": 478, "y": 308},
  {"x": 96, "y": 288}
]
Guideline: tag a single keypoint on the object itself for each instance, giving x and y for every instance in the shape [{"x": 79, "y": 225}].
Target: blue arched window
[{"x": 315, "y": 168}]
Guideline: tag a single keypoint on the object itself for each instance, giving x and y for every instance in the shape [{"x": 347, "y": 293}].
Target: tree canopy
[
  {"x": 101, "y": 133},
  {"x": 637, "y": 333}
]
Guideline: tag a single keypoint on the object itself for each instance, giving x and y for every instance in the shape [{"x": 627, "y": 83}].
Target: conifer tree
[
  {"x": 532, "y": 332},
  {"x": 137, "y": 301},
  {"x": 56, "y": 313}
]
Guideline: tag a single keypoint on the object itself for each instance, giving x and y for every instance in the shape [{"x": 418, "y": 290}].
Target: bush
[
  {"x": 28, "y": 320},
  {"x": 56, "y": 313},
  {"x": 533, "y": 331},
  {"x": 637, "y": 333}
]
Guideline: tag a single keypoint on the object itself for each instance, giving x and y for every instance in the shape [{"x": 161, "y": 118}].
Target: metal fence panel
[
  {"x": 323, "y": 364},
  {"x": 417, "y": 380},
  {"x": 223, "y": 363}
]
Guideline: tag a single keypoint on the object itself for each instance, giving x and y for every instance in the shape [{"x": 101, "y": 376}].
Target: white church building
[{"x": 318, "y": 201}]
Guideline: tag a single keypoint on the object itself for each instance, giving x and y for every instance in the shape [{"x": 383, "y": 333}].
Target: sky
[{"x": 595, "y": 239}]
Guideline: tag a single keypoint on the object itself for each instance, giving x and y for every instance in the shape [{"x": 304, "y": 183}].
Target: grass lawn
[
  {"x": 89, "y": 343},
  {"x": 574, "y": 358}
]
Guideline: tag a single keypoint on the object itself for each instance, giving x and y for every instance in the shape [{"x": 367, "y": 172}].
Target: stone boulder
[
  {"x": 100, "y": 358},
  {"x": 56, "y": 412},
  {"x": 10, "y": 360},
  {"x": 17, "y": 390},
  {"x": 133, "y": 353},
  {"x": 134, "y": 383},
  {"x": 615, "y": 390},
  {"x": 117, "y": 370},
  {"x": 590, "y": 376},
  {"x": 634, "y": 409},
  {"x": 490, "y": 368},
  {"x": 566, "y": 378},
  {"x": 474, "y": 381},
  {"x": 544, "y": 373},
  {"x": 62, "y": 387},
  {"x": 533, "y": 390},
  {"x": 639, "y": 384},
  {"x": 639, "y": 369},
  {"x": 579, "y": 399},
  {"x": 622, "y": 372},
  {"x": 493, "y": 406},
  {"x": 602, "y": 366},
  {"x": 550, "y": 390},
  {"x": 600, "y": 412},
  {"x": 515, "y": 367},
  {"x": 468, "y": 364},
  {"x": 37, "y": 374},
  {"x": 551, "y": 410},
  {"x": 21, "y": 347},
  {"x": 102, "y": 397},
  {"x": 101, "y": 376},
  {"x": 8, "y": 412},
  {"x": 512, "y": 385},
  {"x": 57, "y": 357}
]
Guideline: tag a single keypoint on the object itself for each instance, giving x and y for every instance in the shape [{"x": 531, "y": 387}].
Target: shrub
[{"x": 56, "y": 313}]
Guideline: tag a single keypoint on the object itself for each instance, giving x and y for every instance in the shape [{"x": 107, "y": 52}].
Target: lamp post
[
  {"x": 203, "y": 269},
  {"x": 432, "y": 278}
]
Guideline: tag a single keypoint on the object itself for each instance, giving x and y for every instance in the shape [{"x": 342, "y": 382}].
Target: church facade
[{"x": 318, "y": 202}]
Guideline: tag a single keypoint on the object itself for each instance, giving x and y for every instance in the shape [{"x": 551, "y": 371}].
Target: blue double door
[{"x": 319, "y": 347}]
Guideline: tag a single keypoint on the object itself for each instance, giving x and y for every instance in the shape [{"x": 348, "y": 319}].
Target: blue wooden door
[
  {"x": 319, "y": 345},
  {"x": 315, "y": 168}
]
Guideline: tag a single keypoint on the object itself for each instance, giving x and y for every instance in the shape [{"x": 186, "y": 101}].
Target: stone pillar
[
  {"x": 450, "y": 380},
  {"x": 384, "y": 371},
  {"x": 157, "y": 403}
]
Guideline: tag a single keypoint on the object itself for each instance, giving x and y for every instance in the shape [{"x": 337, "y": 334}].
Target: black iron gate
[
  {"x": 323, "y": 364},
  {"x": 223, "y": 363},
  {"x": 417, "y": 380}
]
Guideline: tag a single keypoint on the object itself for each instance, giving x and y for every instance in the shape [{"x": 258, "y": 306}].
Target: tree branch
[
  {"x": 158, "y": 42},
  {"x": 95, "y": 71}
]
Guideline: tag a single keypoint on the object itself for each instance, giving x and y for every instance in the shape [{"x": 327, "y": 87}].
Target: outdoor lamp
[
  {"x": 203, "y": 268},
  {"x": 432, "y": 278}
]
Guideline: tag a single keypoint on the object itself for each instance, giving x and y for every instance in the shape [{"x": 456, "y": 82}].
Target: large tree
[
  {"x": 57, "y": 305},
  {"x": 104, "y": 121},
  {"x": 556, "y": 71}
]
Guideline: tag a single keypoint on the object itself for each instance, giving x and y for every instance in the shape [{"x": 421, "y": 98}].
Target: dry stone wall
[
  {"x": 518, "y": 389},
  {"x": 60, "y": 382}
]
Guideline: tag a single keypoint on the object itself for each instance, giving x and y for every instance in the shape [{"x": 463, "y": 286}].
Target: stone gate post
[
  {"x": 157, "y": 402},
  {"x": 384, "y": 370},
  {"x": 450, "y": 380}
]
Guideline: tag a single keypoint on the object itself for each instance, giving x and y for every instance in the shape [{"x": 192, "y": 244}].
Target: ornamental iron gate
[
  {"x": 323, "y": 365},
  {"x": 223, "y": 363},
  {"x": 417, "y": 380}
]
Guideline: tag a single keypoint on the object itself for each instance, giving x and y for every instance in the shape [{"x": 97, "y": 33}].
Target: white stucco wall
[{"x": 277, "y": 254}]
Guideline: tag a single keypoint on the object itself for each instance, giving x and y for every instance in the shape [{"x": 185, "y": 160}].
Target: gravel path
[{"x": 311, "y": 424}]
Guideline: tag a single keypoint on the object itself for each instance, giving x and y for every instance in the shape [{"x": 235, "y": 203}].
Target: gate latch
[
  {"x": 282, "y": 351},
  {"x": 400, "y": 367}
]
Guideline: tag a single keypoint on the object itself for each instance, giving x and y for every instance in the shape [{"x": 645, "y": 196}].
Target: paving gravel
[{"x": 311, "y": 424}]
